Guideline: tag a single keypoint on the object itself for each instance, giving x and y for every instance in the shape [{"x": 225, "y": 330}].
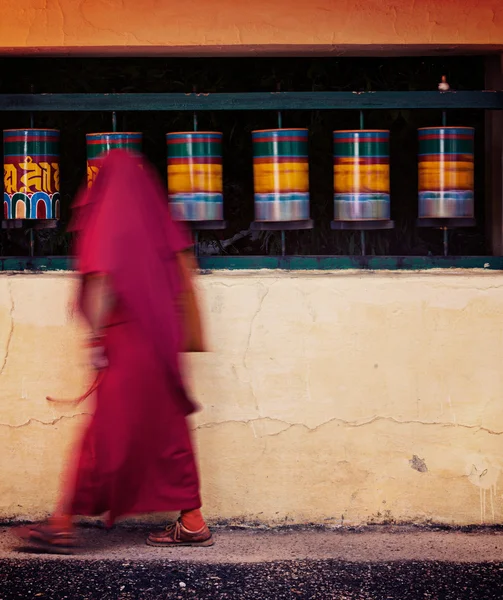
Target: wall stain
[{"x": 418, "y": 464}]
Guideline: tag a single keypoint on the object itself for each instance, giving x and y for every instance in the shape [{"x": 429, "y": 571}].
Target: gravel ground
[{"x": 314, "y": 580}]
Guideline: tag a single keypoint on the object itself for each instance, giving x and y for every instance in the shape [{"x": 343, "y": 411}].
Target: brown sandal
[
  {"x": 47, "y": 538},
  {"x": 176, "y": 535}
]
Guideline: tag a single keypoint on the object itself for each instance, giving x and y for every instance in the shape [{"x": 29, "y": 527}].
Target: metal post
[
  {"x": 195, "y": 125},
  {"x": 443, "y": 86},
  {"x": 493, "y": 158},
  {"x": 446, "y": 241},
  {"x": 194, "y": 116},
  {"x": 32, "y": 117},
  {"x": 280, "y": 115},
  {"x": 280, "y": 126},
  {"x": 32, "y": 243},
  {"x": 114, "y": 121},
  {"x": 362, "y": 232}
]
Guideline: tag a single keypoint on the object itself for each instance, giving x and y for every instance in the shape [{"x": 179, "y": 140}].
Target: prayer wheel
[
  {"x": 194, "y": 161},
  {"x": 446, "y": 161},
  {"x": 281, "y": 175},
  {"x": 101, "y": 144},
  {"x": 31, "y": 174},
  {"x": 361, "y": 175}
]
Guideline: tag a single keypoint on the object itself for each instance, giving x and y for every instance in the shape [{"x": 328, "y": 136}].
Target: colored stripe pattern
[
  {"x": 361, "y": 175},
  {"x": 446, "y": 172},
  {"x": 194, "y": 165},
  {"x": 31, "y": 174},
  {"x": 101, "y": 144},
  {"x": 281, "y": 175}
]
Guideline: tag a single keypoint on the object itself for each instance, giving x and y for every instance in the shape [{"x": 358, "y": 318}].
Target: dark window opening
[{"x": 101, "y": 75}]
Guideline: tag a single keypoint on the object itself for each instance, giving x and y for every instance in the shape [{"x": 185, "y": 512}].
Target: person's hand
[
  {"x": 72, "y": 308},
  {"x": 99, "y": 359}
]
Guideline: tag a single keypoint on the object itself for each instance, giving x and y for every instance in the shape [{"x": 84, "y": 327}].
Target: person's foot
[
  {"x": 177, "y": 535},
  {"x": 47, "y": 537}
]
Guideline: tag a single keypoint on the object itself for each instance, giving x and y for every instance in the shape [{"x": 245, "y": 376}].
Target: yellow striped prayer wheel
[
  {"x": 361, "y": 175},
  {"x": 195, "y": 186},
  {"x": 281, "y": 175},
  {"x": 101, "y": 144},
  {"x": 446, "y": 172},
  {"x": 31, "y": 174}
]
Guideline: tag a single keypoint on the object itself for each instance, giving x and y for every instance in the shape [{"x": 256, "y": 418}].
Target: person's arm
[
  {"x": 97, "y": 305},
  {"x": 98, "y": 302},
  {"x": 194, "y": 339}
]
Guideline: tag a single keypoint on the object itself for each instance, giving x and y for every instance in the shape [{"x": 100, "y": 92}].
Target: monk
[{"x": 137, "y": 295}]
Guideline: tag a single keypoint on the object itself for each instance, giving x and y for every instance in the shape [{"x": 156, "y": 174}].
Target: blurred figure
[{"x": 137, "y": 295}]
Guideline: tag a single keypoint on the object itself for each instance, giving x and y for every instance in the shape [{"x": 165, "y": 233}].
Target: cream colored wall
[
  {"x": 239, "y": 26},
  {"x": 321, "y": 395}
]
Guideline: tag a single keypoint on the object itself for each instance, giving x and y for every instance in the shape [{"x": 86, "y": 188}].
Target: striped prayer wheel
[
  {"x": 101, "y": 144},
  {"x": 281, "y": 175},
  {"x": 446, "y": 172},
  {"x": 194, "y": 164},
  {"x": 31, "y": 174},
  {"x": 361, "y": 175}
]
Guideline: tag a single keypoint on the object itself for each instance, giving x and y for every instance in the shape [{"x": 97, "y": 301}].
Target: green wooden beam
[
  {"x": 291, "y": 263},
  {"x": 488, "y": 100},
  {"x": 36, "y": 263},
  {"x": 328, "y": 263}
]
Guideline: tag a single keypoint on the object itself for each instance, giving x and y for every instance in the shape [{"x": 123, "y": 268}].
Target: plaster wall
[{"x": 335, "y": 397}]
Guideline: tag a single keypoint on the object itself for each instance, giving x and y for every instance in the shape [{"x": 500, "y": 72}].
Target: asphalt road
[
  {"x": 372, "y": 564},
  {"x": 314, "y": 580}
]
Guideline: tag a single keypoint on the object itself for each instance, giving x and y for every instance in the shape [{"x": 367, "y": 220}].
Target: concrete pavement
[{"x": 387, "y": 563}]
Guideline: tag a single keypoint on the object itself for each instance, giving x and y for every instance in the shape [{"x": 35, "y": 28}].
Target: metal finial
[{"x": 443, "y": 86}]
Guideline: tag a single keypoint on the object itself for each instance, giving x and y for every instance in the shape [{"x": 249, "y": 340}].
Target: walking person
[{"x": 137, "y": 295}]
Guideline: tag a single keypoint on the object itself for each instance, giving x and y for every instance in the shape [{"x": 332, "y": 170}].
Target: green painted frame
[
  {"x": 485, "y": 100},
  {"x": 290, "y": 263}
]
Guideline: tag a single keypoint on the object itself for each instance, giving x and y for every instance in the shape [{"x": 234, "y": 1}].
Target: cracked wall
[
  {"x": 327, "y": 397},
  {"x": 234, "y": 26}
]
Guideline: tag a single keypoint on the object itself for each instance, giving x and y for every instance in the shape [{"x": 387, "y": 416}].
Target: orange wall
[{"x": 244, "y": 26}]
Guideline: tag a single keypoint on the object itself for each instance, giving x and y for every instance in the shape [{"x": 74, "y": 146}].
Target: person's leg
[
  {"x": 61, "y": 516},
  {"x": 177, "y": 535},
  {"x": 193, "y": 520},
  {"x": 57, "y": 533},
  {"x": 189, "y": 529}
]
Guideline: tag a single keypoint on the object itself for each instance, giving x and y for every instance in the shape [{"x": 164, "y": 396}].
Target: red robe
[{"x": 136, "y": 455}]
